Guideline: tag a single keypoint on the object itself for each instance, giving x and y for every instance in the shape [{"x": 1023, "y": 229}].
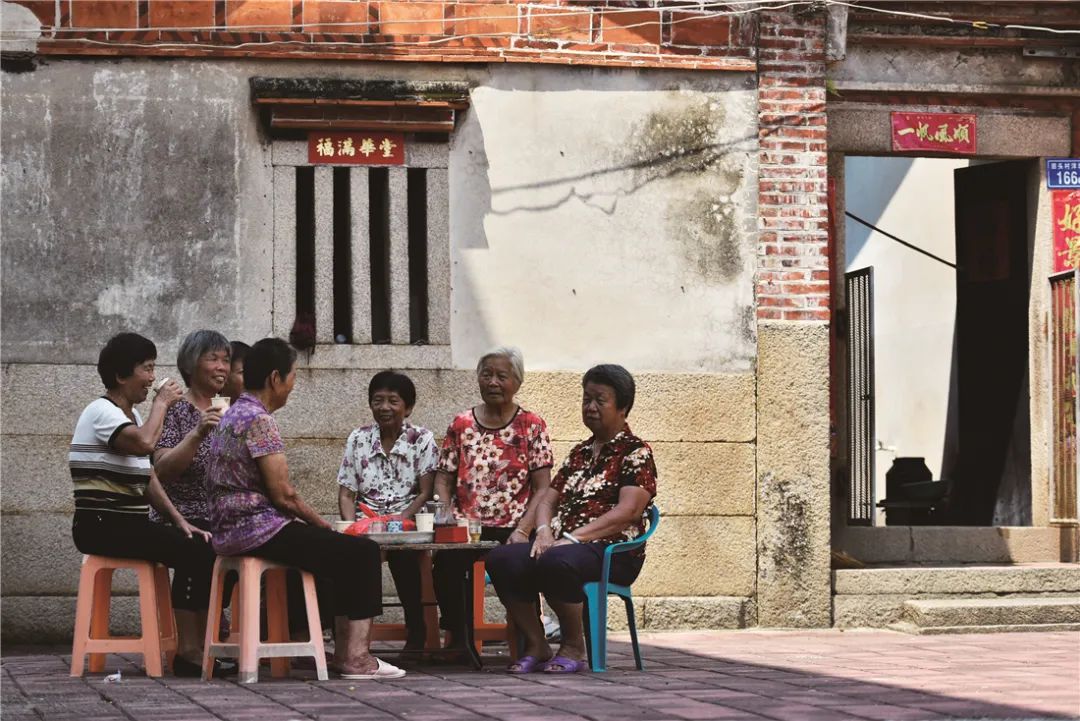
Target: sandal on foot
[
  {"x": 382, "y": 672},
  {"x": 525, "y": 664},
  {"x": 562, "y": 664}
]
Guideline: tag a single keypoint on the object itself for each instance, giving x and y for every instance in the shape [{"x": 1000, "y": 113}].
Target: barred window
[{"x": 363, "y": 253}]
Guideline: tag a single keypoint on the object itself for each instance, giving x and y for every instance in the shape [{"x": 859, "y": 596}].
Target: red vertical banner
[
  {"x": 1066, "y": 219},
  {"x": 356, "y": 148}
]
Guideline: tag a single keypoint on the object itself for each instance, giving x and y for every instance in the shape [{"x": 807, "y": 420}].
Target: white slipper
[{"x": 384, "y": 671}]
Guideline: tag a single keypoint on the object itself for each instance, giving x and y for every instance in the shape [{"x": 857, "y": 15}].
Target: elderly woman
[
  {"x": 181, "y": 453},
  {"x": 256, "y": 511},
  {"x": 110, "y": 468},
  {"x": 389, "y": 466},
  {"x": 599, "y": 496},
  {"x": 495, "y": 461},
  {"x": 234, "y": 386}
]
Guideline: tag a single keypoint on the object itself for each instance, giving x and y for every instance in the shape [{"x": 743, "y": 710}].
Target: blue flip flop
[
  {"x": 525, "y": 664},
  {"x": 562, "y": 664}
]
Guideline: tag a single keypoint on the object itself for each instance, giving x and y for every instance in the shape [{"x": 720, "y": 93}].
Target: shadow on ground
[{"x": 798, "y": 677}]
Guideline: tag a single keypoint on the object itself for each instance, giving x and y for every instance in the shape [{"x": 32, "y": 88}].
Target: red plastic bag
[{"x": 363, "y": 525}]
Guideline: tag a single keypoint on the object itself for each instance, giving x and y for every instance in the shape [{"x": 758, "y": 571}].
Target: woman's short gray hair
[
  {"x": 194, "y": 346},
  {"x": 510, "y": 353}
]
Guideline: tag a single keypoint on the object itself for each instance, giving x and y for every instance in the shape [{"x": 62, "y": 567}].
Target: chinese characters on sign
[
  {"x": 1063, "y": 173},
  {"x": 356, "y": 148},
  {"x": 1066, "y": 218},
  {"x": 936, "y": 132}
]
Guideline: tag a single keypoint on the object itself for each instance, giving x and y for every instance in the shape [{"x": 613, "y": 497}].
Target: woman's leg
[
  {"x": 513, "y": 573},
  {"x": 354, "y": 565},
  {"x": 448, "y": 574},
  {"x": 562, "y": 573},
  {"x": 113, "y": 534},
  {"x": 405, "y": 568}
]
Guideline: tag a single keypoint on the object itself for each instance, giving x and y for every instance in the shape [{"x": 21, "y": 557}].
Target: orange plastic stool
[
  {"x": 92, "y": 615},
  {"x": 244, "y": 642}
]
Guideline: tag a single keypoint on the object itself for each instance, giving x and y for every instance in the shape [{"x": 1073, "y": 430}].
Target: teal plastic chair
[{"x": 596, "y": 594}]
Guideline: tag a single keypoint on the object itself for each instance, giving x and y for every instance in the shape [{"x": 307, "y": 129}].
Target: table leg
[{"x": 470, "y": 626}]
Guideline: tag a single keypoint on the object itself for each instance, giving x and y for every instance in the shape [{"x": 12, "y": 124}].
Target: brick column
[{"x": 793, "y": 536}]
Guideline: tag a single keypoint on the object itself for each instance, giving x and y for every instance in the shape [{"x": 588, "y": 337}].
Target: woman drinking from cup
[
  {"x": 389, "y": 466},
  {"x": 181, "y": 454},
  {"x": 110, "y": 468},
  {"x": 495, "y": 460}
]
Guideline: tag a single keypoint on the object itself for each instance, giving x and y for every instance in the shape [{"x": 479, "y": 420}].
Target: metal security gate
[
  {"x": 859, "y": 285},
  {"x": 1065, "y": 374}
]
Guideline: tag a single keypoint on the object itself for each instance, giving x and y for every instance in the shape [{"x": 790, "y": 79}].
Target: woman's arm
[
  {"x": 170, "y": 463},
  {"x": 159, "y": 499},
  {"x": 444, "y": 485},
  {"x": 539, "y": 482},
  {"x": 346, "y": 503},
  {"x": 545, "y": 511},
  {"x": 275, "y": 475},
  {"x": 141, "y": 440},
  {"x": 632, "y": 503},
  {"x": 427, "y": 482}
]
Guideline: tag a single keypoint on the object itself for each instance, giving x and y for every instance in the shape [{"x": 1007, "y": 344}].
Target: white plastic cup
[
  {"x": 340, "y": 526},
  {"x": 221, "y": 403},
  {"x": 425, "y": 522}
]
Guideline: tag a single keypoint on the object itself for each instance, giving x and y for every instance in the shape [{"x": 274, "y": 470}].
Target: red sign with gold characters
[
  {"x": 1066, "y": 216},
  {"x": 936, "y": 132},
  {"x": 356, "y": 148}
]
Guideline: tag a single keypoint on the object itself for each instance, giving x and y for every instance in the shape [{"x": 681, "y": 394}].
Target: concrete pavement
[{"x": 725, "y": 675}]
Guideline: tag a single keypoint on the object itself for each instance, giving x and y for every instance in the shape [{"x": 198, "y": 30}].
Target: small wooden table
[{"x": 477, "y": 551}]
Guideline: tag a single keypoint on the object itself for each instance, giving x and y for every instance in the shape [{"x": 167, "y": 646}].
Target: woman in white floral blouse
[
  {"x": 389, "y": 466},
  {"x": 496, "y": 459}
]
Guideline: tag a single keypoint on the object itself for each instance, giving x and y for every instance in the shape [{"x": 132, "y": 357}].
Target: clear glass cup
[
  {"x": 475, "y": 529},
  {"x": 377, "y": 527}
]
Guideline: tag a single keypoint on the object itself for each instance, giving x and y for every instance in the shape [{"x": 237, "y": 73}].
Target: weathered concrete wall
[
  {"x": 164, "y": 167},
  {"x": 648, "y": 224}
]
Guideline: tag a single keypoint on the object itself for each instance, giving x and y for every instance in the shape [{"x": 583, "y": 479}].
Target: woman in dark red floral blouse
[
  {"x": 599, "y": 496},
  {"x": 495, "y": 461}
]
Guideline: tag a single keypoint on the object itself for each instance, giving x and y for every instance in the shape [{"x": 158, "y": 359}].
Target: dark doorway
[{"x": 992, "y": 291}]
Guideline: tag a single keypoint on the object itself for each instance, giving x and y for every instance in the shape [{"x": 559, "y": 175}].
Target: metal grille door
[
  {"x": 1064, "y": 329},
  {"x": 860, "y": 405}
]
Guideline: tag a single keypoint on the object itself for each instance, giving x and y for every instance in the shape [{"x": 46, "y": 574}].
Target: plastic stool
[
  {"x": 92, "y": 615},
  {"x": 244, "y": 643}
]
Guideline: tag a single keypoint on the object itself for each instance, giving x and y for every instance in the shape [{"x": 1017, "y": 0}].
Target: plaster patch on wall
[{"x": 131, "y": 300}]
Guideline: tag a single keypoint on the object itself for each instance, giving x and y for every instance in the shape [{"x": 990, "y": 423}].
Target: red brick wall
[
  {"x": 793, "y": 249},
  {"x": 593, "y": 32}
]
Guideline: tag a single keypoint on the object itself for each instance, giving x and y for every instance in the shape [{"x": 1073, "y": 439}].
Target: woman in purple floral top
[
  {"x": 495, "y": 461},
  {"x": 256, "y": 511},
  {"x": 600, "y": 495},
  {"x": 181, "y": 453}
]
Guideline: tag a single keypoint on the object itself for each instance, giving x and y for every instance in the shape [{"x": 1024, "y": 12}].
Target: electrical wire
[{"x": 901, "y": 241}]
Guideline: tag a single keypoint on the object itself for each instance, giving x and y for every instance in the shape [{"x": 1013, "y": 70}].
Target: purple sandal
[
  {"x": 525, "y": 664},
  {"x": 562, "y": 664}
]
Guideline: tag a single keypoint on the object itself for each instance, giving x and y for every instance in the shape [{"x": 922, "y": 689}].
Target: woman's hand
[
  {"x": 517, "y": 536},
  {"x": 169, "y": 392},
  {"x": 192, "y": 531},
  {"x": 544, "y": 540},
  {"x": 210, "y": 418}
]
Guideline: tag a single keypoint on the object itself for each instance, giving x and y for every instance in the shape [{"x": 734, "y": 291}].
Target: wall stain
[{"x": 681, "y": 144}]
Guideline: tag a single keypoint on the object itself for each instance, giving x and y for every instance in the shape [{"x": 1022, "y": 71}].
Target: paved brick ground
[{"x": 786, "y": 676}]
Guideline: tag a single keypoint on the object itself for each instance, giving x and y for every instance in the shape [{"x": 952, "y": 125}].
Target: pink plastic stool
[
  {"x": 244, "y": 642},
  {"x": 92, "y": 615}
]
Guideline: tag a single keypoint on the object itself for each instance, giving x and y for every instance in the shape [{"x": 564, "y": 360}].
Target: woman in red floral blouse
[
  {"x": 599, "y": 496},
  {"x": 495, "y": 461}
]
